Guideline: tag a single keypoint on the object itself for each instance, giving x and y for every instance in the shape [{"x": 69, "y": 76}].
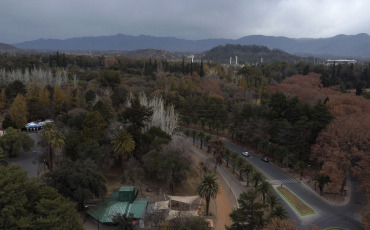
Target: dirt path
[
  {"x": 223, "y": 210},
  {"x": 221, "y": 207}
]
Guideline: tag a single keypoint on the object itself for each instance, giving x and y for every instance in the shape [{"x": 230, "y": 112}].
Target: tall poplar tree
[{"x": 18, "y": 111}]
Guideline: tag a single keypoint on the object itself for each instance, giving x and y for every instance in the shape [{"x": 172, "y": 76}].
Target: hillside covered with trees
[
  {"x": 251, "y": 54},
  {"x": 129, "y": 110}
]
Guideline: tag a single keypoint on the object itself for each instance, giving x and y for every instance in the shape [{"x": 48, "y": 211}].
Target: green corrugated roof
[
  {"x": 138, "y": 207},
  {"x": 127, "y": 188},
  {"x": 105, "y": 210}
]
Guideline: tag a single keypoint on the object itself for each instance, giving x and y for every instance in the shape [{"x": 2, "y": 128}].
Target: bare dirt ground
[{"x": 220, "y": 208}]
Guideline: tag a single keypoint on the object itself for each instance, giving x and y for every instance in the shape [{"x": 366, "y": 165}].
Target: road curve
[{"x": 327, "y": 215}]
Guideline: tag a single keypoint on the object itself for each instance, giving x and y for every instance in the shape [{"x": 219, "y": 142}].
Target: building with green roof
[{"x": 124, "y": 202}]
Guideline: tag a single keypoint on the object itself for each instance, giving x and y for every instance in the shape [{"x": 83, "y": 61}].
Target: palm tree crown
[
  {"x": 263, "y": 188},
  {"x": 123, "y": 143},
  {"x": 208, "y": 188}
]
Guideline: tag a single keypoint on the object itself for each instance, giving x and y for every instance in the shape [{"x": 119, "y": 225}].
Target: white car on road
[{"x": 246, "y": 154}]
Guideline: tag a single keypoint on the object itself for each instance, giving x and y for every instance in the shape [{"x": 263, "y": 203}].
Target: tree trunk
[
  {"x": 207, "y": 205},
  {"x": 51, "y": 158}
]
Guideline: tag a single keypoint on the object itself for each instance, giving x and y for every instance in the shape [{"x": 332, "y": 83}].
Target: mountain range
[
  {"x": 348, "y": 46},
  {"x": 6, "y": 48}
]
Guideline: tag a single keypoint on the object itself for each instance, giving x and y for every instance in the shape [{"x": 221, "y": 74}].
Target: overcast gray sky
[{"x": 24, "y": 20}]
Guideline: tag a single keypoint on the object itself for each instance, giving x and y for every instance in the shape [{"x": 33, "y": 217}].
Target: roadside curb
[
  {"x": 339, "y": 204},
  {"x": 289, "y": 201},
  {"x": 220, "y": 172}
]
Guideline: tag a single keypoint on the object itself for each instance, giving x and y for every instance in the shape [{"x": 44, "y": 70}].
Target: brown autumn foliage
[
  {"x": 308, "y": 88},
  {"x": 346, "y": 139},
  {"x": 336, "y": 177},
  {"x": 366, "y": 221},
  {"x": 2, "y": 100},
  {"x": 362, "y": 172},
  {"x": 210, "y": 86},
  {"x": 18, "y": 111},
  {"x": 44, "y": 97},
  {"x": 277, "y": 223}
]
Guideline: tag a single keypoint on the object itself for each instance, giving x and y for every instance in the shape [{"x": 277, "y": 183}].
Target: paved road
[
  {"x": 328, "y": 215},
  {"x": 28, "y": 161}
]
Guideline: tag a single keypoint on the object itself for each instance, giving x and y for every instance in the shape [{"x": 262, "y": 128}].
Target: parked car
[
  {"x": 265, "y": 159},
  {"x": 246, "y": 154}
]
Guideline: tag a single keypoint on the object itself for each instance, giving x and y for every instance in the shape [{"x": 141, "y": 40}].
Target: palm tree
[
  {"x": 262, "y": 146},
  {"x": 217, "y": 147},
  {"x": 239, "y": 165},
  {"x": 55, "y": 141},
  {"x": 272, "y": 201},
  {"x": 123, "y": 143},
  {"x": 289, "y": 160},
  {"x": 208, "y": 188},
  {"x": 201, "y": 136},
  {"x": 280, "y": 212},
  {"x": 322, "y": 180},
  {"x": 231, "y": 131},
  {"x": 194, "y": 135},
  {"x": 218, "y": 125},
  {"x": 248, "y": 171},
  {"x": 301, "y": 166},
  {"x": 202, "y": 122},
  {"x": 263, "y": 188},
  {"x": 209, "y": 122},
  {"x": 233, "y": 157},
  {"x": 207, "y": 139},
  {"x": 257, "y": 177},
  {"x": 227, "y": 156},
  {"x": 239, "y": 136},
  {"x": 187, "y": 132}
]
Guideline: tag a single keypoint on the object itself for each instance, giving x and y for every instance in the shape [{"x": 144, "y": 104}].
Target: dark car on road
[{"x": 265, "y": 159}]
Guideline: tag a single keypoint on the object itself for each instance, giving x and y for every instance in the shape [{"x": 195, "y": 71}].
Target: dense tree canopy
[
  {"x": 25, "y": 204},
  {"x": 80, "y": 180},
  {"x": 303, "y": 118},
  {"x": 14, "y": 141}
]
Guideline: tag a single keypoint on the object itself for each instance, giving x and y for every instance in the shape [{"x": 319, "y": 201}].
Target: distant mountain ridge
[
  {"x": 6, "y": 48},
  {"x": 340, "y": 45}
]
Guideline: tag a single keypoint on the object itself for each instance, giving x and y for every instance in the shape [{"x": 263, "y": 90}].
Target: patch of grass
[{"x": 302, "y": 208}]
